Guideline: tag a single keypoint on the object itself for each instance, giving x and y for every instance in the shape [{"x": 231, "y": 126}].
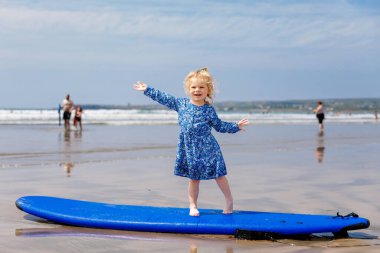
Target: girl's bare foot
[
  {"x": 229, "y": 208},
  {"x": 194, "y": 212}
]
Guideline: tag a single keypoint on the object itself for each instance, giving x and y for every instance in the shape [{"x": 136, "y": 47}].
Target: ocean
[{"x": 163, "y": 117}]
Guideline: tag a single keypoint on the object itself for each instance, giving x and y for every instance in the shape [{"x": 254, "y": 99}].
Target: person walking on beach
[
  {"x": 198, "y": 154},
  {"x": 67, "y": 107},
  {"x": 78, "y": 117},
  {"x": 59, "y": 114},
  {"x": 320, "y": 113}
]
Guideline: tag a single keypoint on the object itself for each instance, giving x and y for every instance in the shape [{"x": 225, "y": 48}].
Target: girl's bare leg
[
  {"x": 193, "y": 193},
  {"x": 225, "y": 187}
]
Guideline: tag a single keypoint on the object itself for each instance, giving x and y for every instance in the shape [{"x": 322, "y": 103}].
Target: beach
[{"x": 271, "y": 167}]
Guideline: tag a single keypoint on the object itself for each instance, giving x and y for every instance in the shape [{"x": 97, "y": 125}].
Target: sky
[{"x": 95, "y": 50}]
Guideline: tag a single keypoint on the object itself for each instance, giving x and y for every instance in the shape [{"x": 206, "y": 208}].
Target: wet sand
[{"x": 284, "y": 168}]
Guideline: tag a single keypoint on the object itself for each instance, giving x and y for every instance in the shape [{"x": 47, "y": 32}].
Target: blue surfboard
[{"x": 243, "y": 224}]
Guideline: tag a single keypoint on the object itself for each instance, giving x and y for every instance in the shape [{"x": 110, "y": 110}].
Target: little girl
[
  {"x": 198, "y": 154},
  {"x": 78, "y": 117}
]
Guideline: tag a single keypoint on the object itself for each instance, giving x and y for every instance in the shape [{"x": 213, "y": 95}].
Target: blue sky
[{"x": 256, "y": 50}]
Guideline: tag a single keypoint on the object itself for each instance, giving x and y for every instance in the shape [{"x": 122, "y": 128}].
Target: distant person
[
  {"x": 198, "y": 154},
  {"x": 320, "y": 113},
  {"x": 78, "y": 117},
  {"x": 376, "y": 116},
  {"x": 67, "y": 107},
  {"x": 59, "y": 114}
]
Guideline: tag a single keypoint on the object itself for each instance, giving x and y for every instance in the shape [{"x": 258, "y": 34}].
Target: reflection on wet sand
[
  {"x": 68, "y": 164},
  {"x": 67, "y": 167},
  {"x": 193, "y": 242},
  {"x": 194, "y": 249},
  {"x": 78, "y": 134},
  {"x": 320, "y": 150}
]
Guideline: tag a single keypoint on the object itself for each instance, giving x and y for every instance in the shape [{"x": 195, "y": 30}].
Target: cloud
[
  {"x": 259, "y": 25},
  {"x": 173, "y": 30}
]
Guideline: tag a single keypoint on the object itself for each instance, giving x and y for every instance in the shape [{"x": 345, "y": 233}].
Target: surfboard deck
[{"x": 177, "y": 220}]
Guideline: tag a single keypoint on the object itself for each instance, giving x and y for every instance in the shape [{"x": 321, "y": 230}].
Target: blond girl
[{"x": 198, "y": 154}]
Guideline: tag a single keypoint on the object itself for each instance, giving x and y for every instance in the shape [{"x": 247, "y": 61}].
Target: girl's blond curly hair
[{"x": 203, "y": 76}]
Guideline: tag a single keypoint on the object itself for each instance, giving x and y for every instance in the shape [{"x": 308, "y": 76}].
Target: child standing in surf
[{"x": 198, "y": 154}]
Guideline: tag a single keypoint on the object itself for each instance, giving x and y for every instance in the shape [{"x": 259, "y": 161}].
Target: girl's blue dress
[{"x": 198, "y": 154}]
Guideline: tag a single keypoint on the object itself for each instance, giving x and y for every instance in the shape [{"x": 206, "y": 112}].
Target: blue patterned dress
[{"x": 198, "y": 154}]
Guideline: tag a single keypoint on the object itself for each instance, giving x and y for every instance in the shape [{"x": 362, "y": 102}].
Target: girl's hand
[
  {"x": 140, "y": 86},
  {"x": 242, "y": 123}
]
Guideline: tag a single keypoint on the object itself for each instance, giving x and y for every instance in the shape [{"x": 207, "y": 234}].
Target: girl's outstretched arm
[
  {"x": 222, "y": 126},
  {"x": 158, "y": 96},
  {"x": 226, "y": 127}
]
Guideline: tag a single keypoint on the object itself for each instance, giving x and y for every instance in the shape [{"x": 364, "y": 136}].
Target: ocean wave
[{"x": 165, "y": 117}]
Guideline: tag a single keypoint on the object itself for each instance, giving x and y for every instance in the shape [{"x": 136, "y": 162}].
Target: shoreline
[{"x": 166, "y": 117}]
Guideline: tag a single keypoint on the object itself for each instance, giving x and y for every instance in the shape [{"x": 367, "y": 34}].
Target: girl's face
[{"x": 198, "y": 92}]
